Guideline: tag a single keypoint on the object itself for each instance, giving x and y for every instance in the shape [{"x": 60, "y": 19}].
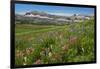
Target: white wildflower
[
  {"x": 50, "y": 54},
  {"x": 25, "y": 59},
  {"x": 83, "y": 49},
  {"x": 24, "y": 63}
]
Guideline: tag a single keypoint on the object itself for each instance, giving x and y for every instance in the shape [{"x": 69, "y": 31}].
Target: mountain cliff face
[{"x": 36, "y": 17}]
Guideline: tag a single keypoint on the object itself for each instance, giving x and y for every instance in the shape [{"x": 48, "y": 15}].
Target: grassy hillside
[{"x": 47, "y": 44}]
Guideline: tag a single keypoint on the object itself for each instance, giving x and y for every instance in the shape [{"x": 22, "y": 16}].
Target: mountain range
[{"x": 36, "y": 17}]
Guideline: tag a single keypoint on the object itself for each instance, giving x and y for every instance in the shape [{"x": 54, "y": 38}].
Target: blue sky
[{"x": 56, "y": 10}]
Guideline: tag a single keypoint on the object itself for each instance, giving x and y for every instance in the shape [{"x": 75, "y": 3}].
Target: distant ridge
[{"x": 45, "y": 18}]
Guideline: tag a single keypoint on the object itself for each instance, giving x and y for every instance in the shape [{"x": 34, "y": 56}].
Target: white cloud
[
  {"x": 21, "y": 13},
  {"x": 62, "y": 14}
]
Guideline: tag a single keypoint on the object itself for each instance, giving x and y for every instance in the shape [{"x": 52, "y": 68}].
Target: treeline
[{"x": 41, "y": 22}]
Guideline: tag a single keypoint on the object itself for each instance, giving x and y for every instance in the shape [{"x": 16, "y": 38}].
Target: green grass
[{"x": 47, "y": 44}]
